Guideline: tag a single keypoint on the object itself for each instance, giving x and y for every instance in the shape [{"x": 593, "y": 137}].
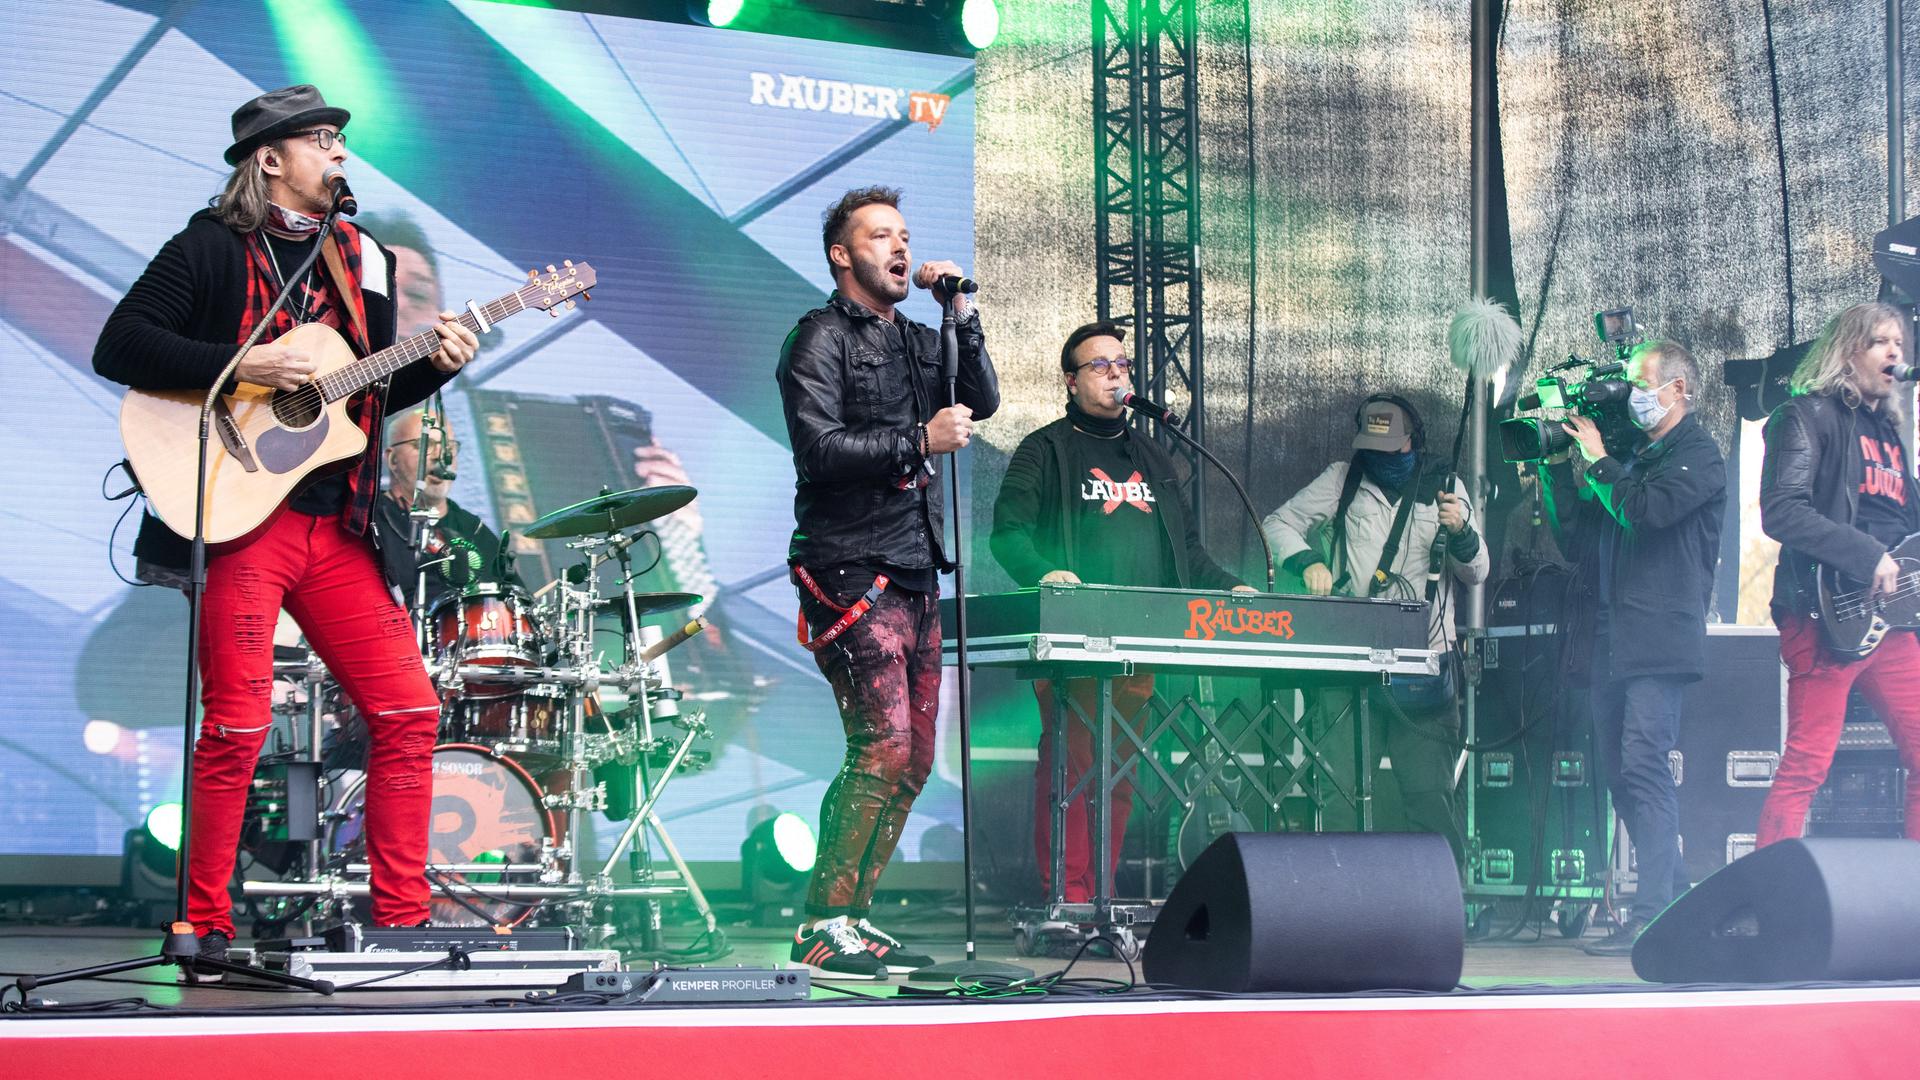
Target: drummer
[{"x": 460, "y": 553}]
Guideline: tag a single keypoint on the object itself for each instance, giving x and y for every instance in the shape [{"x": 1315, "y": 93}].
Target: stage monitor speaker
[
  {"x": 1795, "y": 911},
  {"x": 1313, "y": 913}
]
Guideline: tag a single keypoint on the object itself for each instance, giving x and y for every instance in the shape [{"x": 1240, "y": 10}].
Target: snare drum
[
  {"x": 492, "y": 626},
  {"x": 526, "y": 725}
]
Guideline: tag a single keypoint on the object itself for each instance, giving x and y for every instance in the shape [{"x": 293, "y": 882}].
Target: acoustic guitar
[
  {"x": 1857, "y": 621},
  {"x": 266, "y": 441}
]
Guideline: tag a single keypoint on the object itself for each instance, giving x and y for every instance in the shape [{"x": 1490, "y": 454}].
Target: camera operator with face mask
[{"x": 1648, "y": 522}]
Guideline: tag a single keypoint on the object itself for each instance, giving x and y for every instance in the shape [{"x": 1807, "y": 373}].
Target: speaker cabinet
[
  {"x": 1313, "y": 913},
  {"x": 1795, "y": 911}
]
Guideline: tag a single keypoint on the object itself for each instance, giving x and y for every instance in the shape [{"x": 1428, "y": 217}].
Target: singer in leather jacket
[
  {"x": 856, "y": 388},
  {"x": 1838, "y": 491},
  {"x": 866, "y": 408}
]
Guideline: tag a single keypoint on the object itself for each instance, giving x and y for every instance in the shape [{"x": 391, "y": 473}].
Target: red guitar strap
[{"x": 848, "y": 615}]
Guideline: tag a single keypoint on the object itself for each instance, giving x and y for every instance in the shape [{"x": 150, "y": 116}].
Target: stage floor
[
  {"x": 1547, "y": 962},
  {"x": 1531, "y": 1008}
]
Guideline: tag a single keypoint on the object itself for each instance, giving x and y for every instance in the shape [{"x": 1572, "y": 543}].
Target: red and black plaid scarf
[{"x": 322, "y": 303}]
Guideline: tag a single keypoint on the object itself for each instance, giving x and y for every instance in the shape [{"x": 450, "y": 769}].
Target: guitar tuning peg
[
  {"x": 555, "y": 312},
  {"x": 551, "y": 270},
  {"x": 533, "y": 275},
  {"x": 584, "y": 295},
  {"x": 568, "y": 263},
  {"x": 569, "y": 305}
]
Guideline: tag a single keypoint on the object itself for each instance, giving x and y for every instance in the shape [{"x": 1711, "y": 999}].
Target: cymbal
[
  {"x": 648, "y": 603},
  {"x": 611, "y": 513}
]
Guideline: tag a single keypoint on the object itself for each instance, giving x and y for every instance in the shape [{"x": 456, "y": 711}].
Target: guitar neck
[{"x": 368, "y": 370}]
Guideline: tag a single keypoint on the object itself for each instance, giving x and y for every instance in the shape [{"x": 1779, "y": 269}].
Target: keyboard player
[{"x": 1087, "y": 500}]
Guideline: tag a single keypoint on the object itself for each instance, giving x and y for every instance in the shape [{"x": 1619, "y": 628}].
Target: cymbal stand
[{"x": 694, "y": 726}]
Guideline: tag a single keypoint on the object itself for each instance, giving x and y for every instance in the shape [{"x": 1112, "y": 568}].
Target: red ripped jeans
[
  {"x": 1817, "y": 687},
  {"x": 329, "y": 580}
]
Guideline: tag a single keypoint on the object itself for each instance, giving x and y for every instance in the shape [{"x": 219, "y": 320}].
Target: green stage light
[
  {"x": 723, "y": 12},
  {"x": 795, "y": 842},
  {"x": 775, "y": 859},
  {"x": 163, "y": 824},
  {"x": 980, "y": 21}
]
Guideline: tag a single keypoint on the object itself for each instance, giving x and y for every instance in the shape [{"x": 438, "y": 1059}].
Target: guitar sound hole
[{"x": 297, "y": 408}]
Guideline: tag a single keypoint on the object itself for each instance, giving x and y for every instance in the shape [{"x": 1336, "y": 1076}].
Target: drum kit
[{"x": 527, "y": 752}]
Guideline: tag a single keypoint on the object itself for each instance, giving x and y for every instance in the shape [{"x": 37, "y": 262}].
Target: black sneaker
[
  {"x": 888, "y": 950},
  {"x": 213, "y": 946},
  {"x": 835, "y": 950},
  {"x": 1619, "y": 942}
]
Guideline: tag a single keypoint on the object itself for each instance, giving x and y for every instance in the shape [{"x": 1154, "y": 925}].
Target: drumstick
[{"x": 676, "y": 638}]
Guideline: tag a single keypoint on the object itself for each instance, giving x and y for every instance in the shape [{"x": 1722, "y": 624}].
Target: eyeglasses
[
  {"x": 1104, "y": 365},
  {"x": 324, "y": 136}
]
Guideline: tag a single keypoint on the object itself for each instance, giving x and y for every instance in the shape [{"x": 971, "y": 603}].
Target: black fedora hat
[{"x": 277, "y": 112}]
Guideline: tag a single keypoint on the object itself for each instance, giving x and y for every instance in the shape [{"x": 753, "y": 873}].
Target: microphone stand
[
  {"x": 1266, "y": 549},
  {"x": 418, "y": 515},
  {"x": 971, "y": 967},
  {"x": 180, "y": 946}
]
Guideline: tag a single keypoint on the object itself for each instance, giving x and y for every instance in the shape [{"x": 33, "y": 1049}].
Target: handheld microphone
[
  {"x": 955, "y": 285},
  {"x": 335, "y": 180},
  {"x": 1138, "y": 404},
  {"x": 1905, "y": 372}
]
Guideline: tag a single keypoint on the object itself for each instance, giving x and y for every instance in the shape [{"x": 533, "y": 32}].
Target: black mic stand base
[{"x": 182, "y": 950}]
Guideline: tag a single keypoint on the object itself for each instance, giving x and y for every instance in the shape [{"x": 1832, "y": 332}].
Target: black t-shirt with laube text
[{"x": 1118, "y": 539}]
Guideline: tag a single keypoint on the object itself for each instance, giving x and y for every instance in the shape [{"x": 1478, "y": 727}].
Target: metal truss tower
[{"x": 1146, "y": 145}]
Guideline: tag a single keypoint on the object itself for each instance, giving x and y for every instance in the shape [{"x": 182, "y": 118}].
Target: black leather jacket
[
  {"x": 1809, "y": 493},
  {"x": 855, "y": 387}
]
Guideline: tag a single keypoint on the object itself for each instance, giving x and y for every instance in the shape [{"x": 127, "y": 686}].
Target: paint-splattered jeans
[
  {"x": 885, "y": 674},
  {"x": 329, "y": 581}
]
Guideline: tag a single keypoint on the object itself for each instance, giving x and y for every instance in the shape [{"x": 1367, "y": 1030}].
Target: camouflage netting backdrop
[{"x": 1641, "y": 162}]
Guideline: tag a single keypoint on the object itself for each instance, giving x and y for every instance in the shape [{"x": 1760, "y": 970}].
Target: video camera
[{"x": 1600, "y": 395}]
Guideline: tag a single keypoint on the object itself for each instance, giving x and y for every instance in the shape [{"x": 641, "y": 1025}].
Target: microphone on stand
[
  {"x": 503, "y": 560},
  {"x": 1131, "y": 400},
  {"x": 1170, "y": 423},
  {"x": 335, "y": 180},
  {"x": 1905, "y": 372},
  {"x": 442, "y": 468}
]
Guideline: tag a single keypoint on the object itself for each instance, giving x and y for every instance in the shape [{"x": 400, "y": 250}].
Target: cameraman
[{"x": 1649, "y": 523}]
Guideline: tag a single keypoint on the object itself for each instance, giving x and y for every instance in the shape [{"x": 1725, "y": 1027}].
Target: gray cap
[
  {"x": 1383, "y": 426},
  {"x": 277, "y": 112}
]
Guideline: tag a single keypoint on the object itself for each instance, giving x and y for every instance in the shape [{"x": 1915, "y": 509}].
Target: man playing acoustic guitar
[
  {"x": 173, "y": 331},
  {"x": 1837, "y": 491}
]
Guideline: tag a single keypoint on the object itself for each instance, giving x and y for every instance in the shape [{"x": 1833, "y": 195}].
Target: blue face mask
[
  {"x": 1645, "y": 408},
  {"x": 1387, "y": 468}
]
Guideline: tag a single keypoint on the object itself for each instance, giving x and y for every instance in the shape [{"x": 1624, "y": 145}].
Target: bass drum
[{"x": 485, "y": 810}]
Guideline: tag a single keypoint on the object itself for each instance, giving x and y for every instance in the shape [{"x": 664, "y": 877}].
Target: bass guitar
[
  {"x": 269, "y": 440},
  {"x": 1857, "y": 621}
]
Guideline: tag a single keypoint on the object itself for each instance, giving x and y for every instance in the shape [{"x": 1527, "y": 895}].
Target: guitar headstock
[{"x": 558, "y": 286}]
